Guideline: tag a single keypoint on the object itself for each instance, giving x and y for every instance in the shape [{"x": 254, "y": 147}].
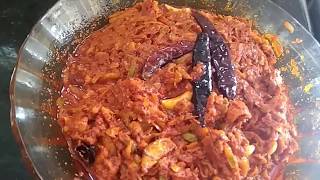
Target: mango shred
[
  {"x": 154, "y": 151},
  {"x": 231, "y": 158},
  {"x": 275, "y": 44},
  {"x": 171, "y": 103}
]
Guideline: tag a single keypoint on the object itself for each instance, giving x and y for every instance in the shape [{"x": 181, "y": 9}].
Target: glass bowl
[{"x": 35, "y": 81}]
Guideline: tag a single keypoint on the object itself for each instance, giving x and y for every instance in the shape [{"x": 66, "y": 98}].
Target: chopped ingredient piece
[
  {"x": 175, "y": 168},
  {"x": 171, "y": 103},
  {"x": 288, "y": 26},
  {"x": 275, "y": 44},
  {"x": 159, "y": 148},
  {"x": 231, "y": 158},
  {"x": 201, "y": 132},
  {"x": 147, "y": 162},
  {"x": 307, "y": 88},
  {"x": 113, "y": 131},
  {"x": 190, "y": 137},
  {"x": 96, "y": 108},
  {"x": 171, "y": 8},
  {"x": 135, "y": 127},
  {"x": 112, "y": 75},
  {"x": 244, "y": 166},
  {"x": 249, "y": 150},
  {"x": 154, "y": 151},
  {"x": 105, "y": 77},
  {"x": 130, "y": 148},
  {"x": 273, "y": 148}
]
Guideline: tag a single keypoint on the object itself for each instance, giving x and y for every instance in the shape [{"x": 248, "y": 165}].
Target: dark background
[{"x": 16, "y": 20}]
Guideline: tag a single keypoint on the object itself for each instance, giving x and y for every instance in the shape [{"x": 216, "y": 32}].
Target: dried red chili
[
  {"x": 220, "y": 57},
  {"x": 162, "y": 57},
  {"x": 202, "y": 87}
]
